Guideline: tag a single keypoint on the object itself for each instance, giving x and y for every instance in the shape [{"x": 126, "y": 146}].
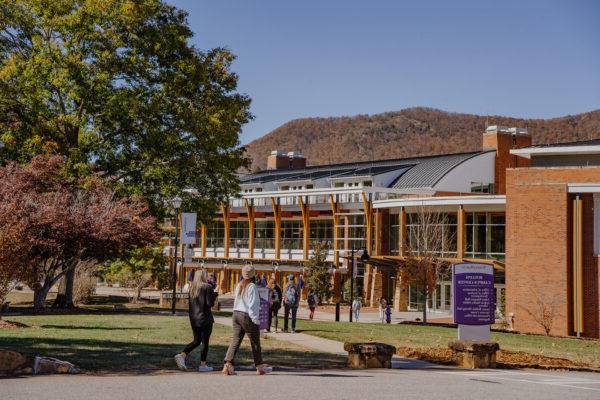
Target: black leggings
[{"x": 201, "y": 335}]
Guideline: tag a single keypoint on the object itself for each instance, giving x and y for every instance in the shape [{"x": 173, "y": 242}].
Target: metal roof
[
  {"x": 414, "y": 172},
  {"x": 592, "y": 142}
]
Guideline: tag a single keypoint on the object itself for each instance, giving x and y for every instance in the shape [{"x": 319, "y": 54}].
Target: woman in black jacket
[{"x": 201, "y": 299}]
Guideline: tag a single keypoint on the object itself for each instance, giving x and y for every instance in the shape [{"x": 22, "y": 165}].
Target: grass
[
  {"x": 100, "y": 343},
  {"x": 581, "y": 351}
]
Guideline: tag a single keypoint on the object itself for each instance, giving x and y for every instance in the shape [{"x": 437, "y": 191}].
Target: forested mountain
[{"x": 409, "y": 132}]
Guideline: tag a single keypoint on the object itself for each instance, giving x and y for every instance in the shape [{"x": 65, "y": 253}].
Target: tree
[
  {"x": 115, "y": 87},
  {"x": 68, "y": 221},
  {"x": 543, "y": 310},
  {"x": 318, "y": 276},
  {"x": 137, "y": 269},
  {"x": 428, "y": 236}
]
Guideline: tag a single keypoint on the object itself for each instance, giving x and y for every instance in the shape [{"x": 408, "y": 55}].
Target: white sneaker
[
  {"x": 293, "y": 331},
  {"x": 205, "y": 368},
  {"x": 180, "y": 361}
]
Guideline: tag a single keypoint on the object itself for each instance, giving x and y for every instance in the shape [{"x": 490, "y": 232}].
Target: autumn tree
[
  {"x": 429, "y": 235},
  {"x": 318, "y": 276},
  {"x": 69, "y": 221},
  {"x": 116, "y": 88}
]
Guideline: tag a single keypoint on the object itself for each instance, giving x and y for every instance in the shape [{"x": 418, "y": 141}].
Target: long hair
[
  {"x": 200, "y": 278},
  {"x": 243, "y": 285}
]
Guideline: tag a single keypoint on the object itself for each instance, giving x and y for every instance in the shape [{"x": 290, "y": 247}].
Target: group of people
[{"x": 246, "y": 316}]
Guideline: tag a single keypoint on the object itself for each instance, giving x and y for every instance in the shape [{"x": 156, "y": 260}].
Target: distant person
[
  {"x": 312, "y": 303},
  {"x": 291, "y": 300},
  {"x": 201, "y": 299},
  {"x": 274, "y": 303},
  {"x": 356, "y": 306},
  {"x": 388, "y": 314},
  {"x": 382, "y": 305},
  {"x": 246, "y": 310}
]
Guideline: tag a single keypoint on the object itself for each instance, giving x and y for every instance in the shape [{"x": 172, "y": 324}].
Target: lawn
[
  {"x": 99, "y": 343},
  {"x": 580, "y": 351}
]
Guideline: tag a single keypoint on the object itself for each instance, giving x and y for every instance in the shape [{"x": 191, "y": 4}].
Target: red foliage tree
[{"x": 66, "y": 222}]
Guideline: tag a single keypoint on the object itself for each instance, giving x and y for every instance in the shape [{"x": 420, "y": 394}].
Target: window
[
  {"x": 448, "y": 228},
  {"x": 238, "y": 234},
  {"x": 291, "y": 234},
  {"x": 367, "y": 184},
  {"x": 321, "y": 230},
  {"x": 393, "y": 234},
  {"x": 485, "y": 235},
  {"x": 215, "y": 234},
  {"x": 480, "y": 187},
  {"x": 338, "y": 184},
  {"x": 352, "y": 231},
  {"x": 264, "y": 234}
]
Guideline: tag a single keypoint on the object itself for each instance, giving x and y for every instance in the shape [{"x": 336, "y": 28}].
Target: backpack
[
  {"x": 291, "y": 296},
  {"x": 312, "y": 300},
  {"x": 274, "y": 296}
]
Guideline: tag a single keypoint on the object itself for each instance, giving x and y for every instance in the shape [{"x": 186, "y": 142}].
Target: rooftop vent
[{"x": 506, "y": 129}]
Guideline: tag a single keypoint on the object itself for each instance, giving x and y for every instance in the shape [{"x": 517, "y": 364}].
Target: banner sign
[
  {"x": 263, "y": 314},
  {"x": 188, "y": 253},
  {"x": 188, "y": 228},
  {"x": 473, "y": 294}
]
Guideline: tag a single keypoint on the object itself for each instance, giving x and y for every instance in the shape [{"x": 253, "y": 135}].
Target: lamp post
[
  {"x": 364, "y": 257},
  {"x": 176, "y": 204}
]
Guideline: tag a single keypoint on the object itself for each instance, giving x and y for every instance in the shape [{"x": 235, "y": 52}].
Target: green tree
[
  {"x": 116, "y": 88},
  {"x": 141, "y": 267},
  {"x": 318, "y": 276}
]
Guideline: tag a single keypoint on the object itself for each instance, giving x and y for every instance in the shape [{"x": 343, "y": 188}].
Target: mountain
[{"x": 409, "y": 132}]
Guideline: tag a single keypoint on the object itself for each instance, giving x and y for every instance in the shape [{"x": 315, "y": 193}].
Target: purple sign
[
  {"x": 263, "y": 314},
  {"x": 473, "y": 293}
]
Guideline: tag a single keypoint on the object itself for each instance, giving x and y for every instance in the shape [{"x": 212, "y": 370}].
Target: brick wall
[
  {"x": 503, "y": 143},
  {"x": 539, "y": 248}
]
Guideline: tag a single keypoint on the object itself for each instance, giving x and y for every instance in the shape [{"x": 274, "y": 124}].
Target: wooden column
[
  {"x": 460, "y": 233},
  {"x": 277, "y": 218},
  {"x": 225, "y": 213},
  {"x": 305, "y": 227},
  {"x": 368, "y": 208},
  {"x": 402, "y": 234},
  {"x": 250, "y": 212},
  {"x": 334, "y": 211},
  {"x": 203, "y": 239}
]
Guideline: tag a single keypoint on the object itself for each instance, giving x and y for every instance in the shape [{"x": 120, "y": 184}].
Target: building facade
[{"x": 509, "y": 204}]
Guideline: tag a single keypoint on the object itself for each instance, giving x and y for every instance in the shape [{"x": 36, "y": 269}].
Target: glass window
[
  {"x": 442, "y": 224},
  {"x": 238, "y": 234},
  {"x": 321, "y": 230},
  {"x": 393, "y": 236},
  {"x": 485, "y": 235},
  {"x": 291, "y": 234},
  {"x": 215, "y": 234},
  {"x": 351, "y": 231},
  {"x": 264, "y": 234}
]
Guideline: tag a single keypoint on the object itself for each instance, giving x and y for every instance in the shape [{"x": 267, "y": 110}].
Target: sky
[{"x": 309, "y": 58}]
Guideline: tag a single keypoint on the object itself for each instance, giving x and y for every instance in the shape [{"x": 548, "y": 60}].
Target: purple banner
[
  {"x": 264, "y": 308},
  {"x": 473, "y": 294}
]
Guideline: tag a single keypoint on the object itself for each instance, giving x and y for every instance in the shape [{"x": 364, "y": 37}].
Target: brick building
[{"x": 509, "y": 204}]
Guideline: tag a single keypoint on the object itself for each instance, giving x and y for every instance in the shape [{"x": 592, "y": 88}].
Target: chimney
[
  {"x": 503, "y": 139},
  {"x": 282, "y": 160}
]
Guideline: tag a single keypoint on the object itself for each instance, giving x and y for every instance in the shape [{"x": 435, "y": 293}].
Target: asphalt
[{"x": 412, "y": 383}]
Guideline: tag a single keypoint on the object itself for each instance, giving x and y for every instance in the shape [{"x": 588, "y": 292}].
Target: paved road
[{"x": 420, "y": 383}]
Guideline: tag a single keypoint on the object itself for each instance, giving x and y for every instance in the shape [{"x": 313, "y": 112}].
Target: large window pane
[
  {"x": 264, "y": 234},
  {"x": 485, "y": 235},
  {"x": 215, "y": 234},
  {"x": 321, "y": 230},
  {"x": 291, "y": 234},
  {"x": 238, "y": 234}
]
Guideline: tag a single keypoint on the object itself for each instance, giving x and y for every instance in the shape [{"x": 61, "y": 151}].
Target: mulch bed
[
  {"x": 4, "y": 324},
  {"x": 504, "y": 358}
]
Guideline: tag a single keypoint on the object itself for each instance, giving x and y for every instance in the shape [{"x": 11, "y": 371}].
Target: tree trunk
[
  {"x": 39, "y": 297},
  {"x": 64, "y": 298},
  {"x": 425, "y": 298}
]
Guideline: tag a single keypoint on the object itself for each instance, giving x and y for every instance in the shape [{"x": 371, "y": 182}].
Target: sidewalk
[{"x": 329, "y": 346}]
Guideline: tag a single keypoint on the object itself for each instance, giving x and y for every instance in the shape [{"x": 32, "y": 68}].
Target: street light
[
  {"x": 363, "y": 258},
  {"x": 176, "y": 204}
]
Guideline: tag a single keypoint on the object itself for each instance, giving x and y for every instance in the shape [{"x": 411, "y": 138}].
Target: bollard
[{"x": 337, "y": 312}]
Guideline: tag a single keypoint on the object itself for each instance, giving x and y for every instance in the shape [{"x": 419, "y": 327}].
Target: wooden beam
[
  {"x": 277, "y": 221},
  {"x": 460, "y": 232},
  {"x": 334, "y": 211},
  {"x": 305, "y": 227},
  {"x": 225, "y": 213},
  {"x": 203, "y": 239},
  {"x": 368, "y": 209},
  {"x": 250, "y": 213}
]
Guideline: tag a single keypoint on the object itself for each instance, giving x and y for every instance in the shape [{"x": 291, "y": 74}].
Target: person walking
[
  {"x": 201, "y": 299},
  {"x": 388, "y": 314},
  {"x": 274, "y": 303},
  {"x": 246, "y": 308},
  {"x": 291, "y": 300},
  {"x": 356, "y": 305},
  {"x": 382, "y": 305},
  {"x": 312, "y": 303}
]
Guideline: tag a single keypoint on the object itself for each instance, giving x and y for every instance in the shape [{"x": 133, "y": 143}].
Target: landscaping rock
[
  {"x": 11, "y": 361},
  {"x": 369, "y": 355},
  {"x": 49, "y": 365},
  {"x": 474, "y": 354}
]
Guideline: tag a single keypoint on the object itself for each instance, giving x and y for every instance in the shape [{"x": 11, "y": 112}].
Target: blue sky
[{"x": 303, "y": 58}]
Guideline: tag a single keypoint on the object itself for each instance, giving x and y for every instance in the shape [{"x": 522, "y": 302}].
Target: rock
[
  {"x": 49, "y": 365},
  {"x": 11, "y": 361},
  {"x": 369, "y": 355},
  {"x": 474, "y": 354}
]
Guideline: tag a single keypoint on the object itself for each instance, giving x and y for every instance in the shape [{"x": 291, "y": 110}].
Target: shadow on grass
[
  {"x": 104, "y": 356},
  {"x": 104, "y": 328}
]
